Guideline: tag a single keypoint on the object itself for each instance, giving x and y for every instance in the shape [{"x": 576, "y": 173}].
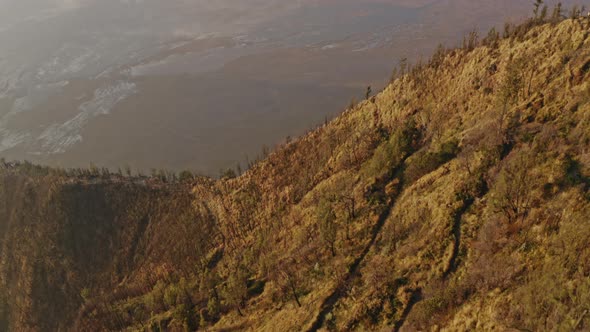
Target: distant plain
[{"x": 203, "y": 85}]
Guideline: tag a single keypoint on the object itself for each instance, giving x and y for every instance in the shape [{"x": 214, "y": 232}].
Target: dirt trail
[
  {"x": 457, "y": 237},
  {"x": 415, "y": 297}
]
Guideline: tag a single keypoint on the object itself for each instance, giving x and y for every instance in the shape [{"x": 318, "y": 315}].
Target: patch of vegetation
[
  {"x": 428, "y": 162},
  {"x": 450, "y": 199}
]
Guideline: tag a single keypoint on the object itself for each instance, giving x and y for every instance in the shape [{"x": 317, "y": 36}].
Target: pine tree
[
  {"x": 543, "y": 15},
  {"x": 492, "y": 39},
  {"x": 557, "y": 13},
  {"x": 537, "y": 5},
  {"x": 575, "y": 12},
  {"x": 403, "y": 66}
]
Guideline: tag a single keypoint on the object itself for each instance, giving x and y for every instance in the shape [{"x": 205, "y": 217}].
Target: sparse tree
[
  {"x": 537, "y": 5},
  {"x": 162, "y": 175},
  {"x": 403, "y": 66},
  {"x": 228, "y": 174},
  {"x": 235, "y": 289},
  {"x": 557, "y": 13},
  {"x": 575, "y": 12},
  {"x": 352, "y": 104},
  {"x": 105, "y": 172},
  {"x": 345, "y": 201},
  {"x": 327, "y": 224},
  {"x": 438, "y": 57},
  {"x": 507, "y": 30},
  {"x": 349, "y": 202},
  {"x": 492, "y": 39},
  {"x": 368, "y": 92},
  {"x": 265, "y": 151},
  {"x": 394, "y": 75},
  {"x": 510, "y": 89},
  {"x": 513, "y": 188},
  {"x": 543, "y": 15},
  {"x": 128, "y": 170},
  {"x": 471, "y": 41},
  {"x": 94, "y": 170},
  {"x": 288, "y": 276},
  {"x": 213, "y": 306},
  {"x": 185, "y": 176}
]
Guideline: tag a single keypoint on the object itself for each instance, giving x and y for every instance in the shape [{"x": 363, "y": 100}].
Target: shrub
[
  {"x": 255, "y": 287},
  {"x": 440, "y": 298},
  {"x": 493, "y": 38},
  {"x": 471, "y": 41},
  {"x": 572, "y": 172},
  {"x": 390, "y": 154},
  {"x": 438, "y": 57},
  {"x": 213, "y": 307},
  {"x": 170, "y": 296},
  {"x": 185, "y": 316},
  {"x": 185, "y": 176},
  {"x": 428, "y": 162},
  {"x": 155, "y": 299},
  {"x": 555, "y": 297},
  {"x": 235, "y": 289},
  {"x": 228, "y": 174},
  {"x": 512, "y": 191},
  {"x": 85, "y": 294}
]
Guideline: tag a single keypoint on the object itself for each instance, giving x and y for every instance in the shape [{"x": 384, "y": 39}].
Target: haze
[{"x": 202, "y": 85}]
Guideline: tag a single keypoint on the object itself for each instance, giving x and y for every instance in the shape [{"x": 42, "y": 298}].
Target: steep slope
[
  {"x": 65, "y": 239},
  {"x": 457, "y": 199}
]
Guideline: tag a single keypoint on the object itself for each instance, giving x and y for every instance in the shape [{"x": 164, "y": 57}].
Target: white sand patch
[
  {"x": 57, "y": 138},
  {"x": 9, "y": 139}
]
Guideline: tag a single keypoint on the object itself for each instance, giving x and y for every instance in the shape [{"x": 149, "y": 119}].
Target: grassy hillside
[{"x": 456, "y": 199}]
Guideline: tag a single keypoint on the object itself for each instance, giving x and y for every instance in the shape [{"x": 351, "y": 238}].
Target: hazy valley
[{"x": 202, "y": 86}]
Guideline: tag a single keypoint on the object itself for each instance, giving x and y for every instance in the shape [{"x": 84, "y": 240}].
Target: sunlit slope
[{"x": 456, "y": 198}]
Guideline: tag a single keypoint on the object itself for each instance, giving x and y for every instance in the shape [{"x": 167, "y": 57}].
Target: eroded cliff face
[{"x": 457, "y": 198}]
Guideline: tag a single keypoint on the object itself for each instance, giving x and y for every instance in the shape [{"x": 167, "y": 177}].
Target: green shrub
[
  {"x": 185, "y": 176},
  {"x": 235, "y": 289},
  {"x": 390, "y": 154},
  {"x": 428, "y": 162},
  {"x": 572, "y": 173},
  {"x": 184, "y": 315},
  {"x": 213, "y": 307},
  {"x": 170, "y": 296},
  {"x": 255, "y": 287},
  {"x": 155, "y": 299},
  {"x": 229, "y": 173},
  {"x": 85, "y": 294}
]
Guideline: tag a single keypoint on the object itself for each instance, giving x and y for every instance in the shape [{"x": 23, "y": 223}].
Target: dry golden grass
[{"x": 427, "y": 238}]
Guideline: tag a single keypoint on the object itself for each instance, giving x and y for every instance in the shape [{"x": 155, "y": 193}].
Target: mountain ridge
[{"x": 445, "y": 201}]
